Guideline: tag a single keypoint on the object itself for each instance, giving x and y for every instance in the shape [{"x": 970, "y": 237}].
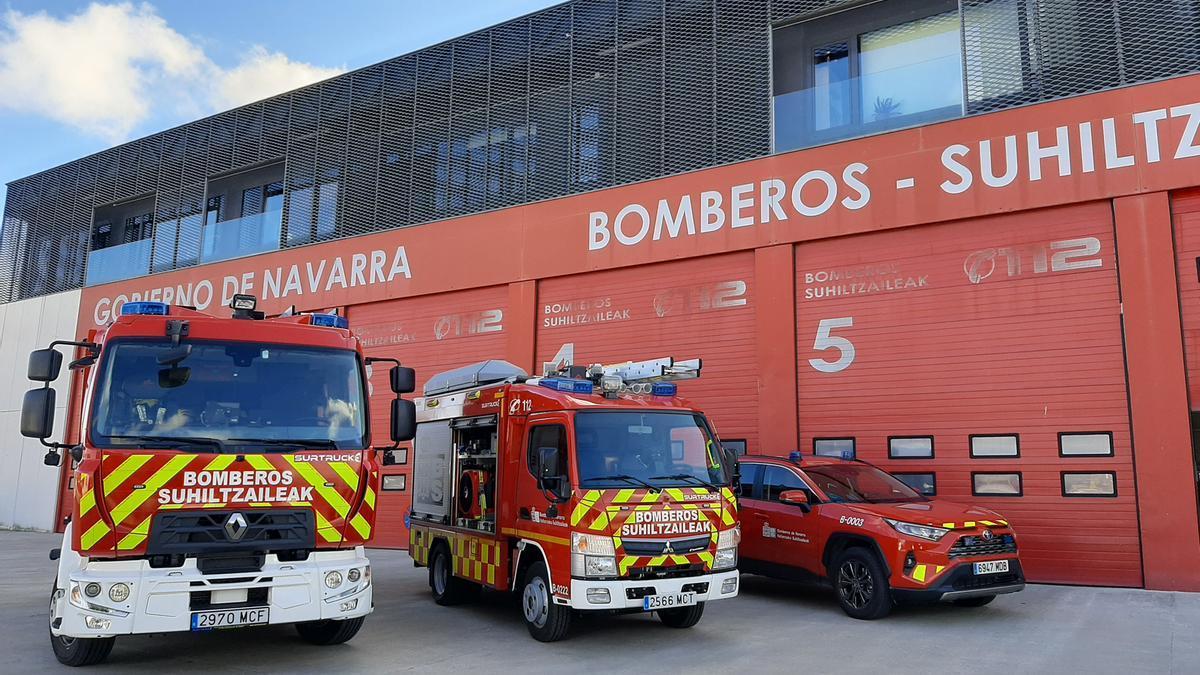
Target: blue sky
[{"x": 78, "y": 77}]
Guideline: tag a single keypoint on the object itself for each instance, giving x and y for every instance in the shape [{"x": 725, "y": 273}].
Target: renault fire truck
[
  {"x": 224, "y": 476},
  {"x": 587, "y": 489}
]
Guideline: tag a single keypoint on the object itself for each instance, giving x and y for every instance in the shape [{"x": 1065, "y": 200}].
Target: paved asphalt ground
[{"x": 771, "y": 627}]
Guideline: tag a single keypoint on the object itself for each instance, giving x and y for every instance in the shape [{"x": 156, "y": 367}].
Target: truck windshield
[
  {"x": 639, "y": 449},
  {"x": 228, "y": 394},
  {"x": 855, "y": 482}
]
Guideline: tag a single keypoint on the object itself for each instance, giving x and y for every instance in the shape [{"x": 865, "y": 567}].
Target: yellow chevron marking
[
  {"x": 491, "y": 571},
  {"x": 260, "y": 463},
  {"x": 707, "y": 558},
  {"x": 257, "y": 504},
  {"x": 215, "y": 505},
  {"x": 580, "y": 511},
  {"x": 171, "y": 507},
  {"x": 650, "y": 498},
  {"x": 679, "y": 559},
  {"x": 988, "y": 523},
  {"x": 361, "y": 526},
  {"x": 617, "y": 542},
  {"x": 919, "y": 573},
  {"x": 219, "y": 463},
  {"x": 370, "y": 497},
  {"x": 600, "y": 522},
  {"x": 675, "y": 493},
  {"x": 969, "y": 524},
  {"x": 327, "y": 531},
  {"x": 347, "y": 474},
  {"x": 136, "y": 536},
  {"x": 623, "y": 496},
  {"x": 160, "y": 478},
  {"x": 657, "y": 561},
  {"x": 626, "y": 563},
  {"x": 314, "y": 479},
  {"x": 122, "y": 473},
  {"x": 93, "y": 535},
  {"x": 87, "y": 502},
  {"x": 1002, "y": 522},
  {"x": 948, "y": 526}
]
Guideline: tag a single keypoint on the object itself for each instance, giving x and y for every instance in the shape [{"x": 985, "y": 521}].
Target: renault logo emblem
[
  {"x": 236, "y": 526},
  {"x": 987, "y": 535}
]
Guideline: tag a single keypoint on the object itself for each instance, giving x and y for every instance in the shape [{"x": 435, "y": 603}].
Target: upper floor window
[{"x": 883, "y": 66}]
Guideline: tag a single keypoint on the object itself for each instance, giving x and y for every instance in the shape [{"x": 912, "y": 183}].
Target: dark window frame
[
  {"x": 932, "y": 448},
  {"x": 765, "y": 491},
  {"x": 530, "y": 460},
  {"x": 853, "y": 444},
  {"x": 1112, "y": 445},
  {"x": 1062, "y": 478},
  {"x": 932, "y": 479},
  {"x": 971, "y": 445},
  {"x": 1020, "y": 484}
]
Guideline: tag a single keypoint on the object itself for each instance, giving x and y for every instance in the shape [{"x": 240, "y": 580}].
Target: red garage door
[
  {"x": 1186, "y": 209},
  {"x": 984, "y": 360},
  {"x": 430, "y": 333},
  {"x": 701, "y": 307}
]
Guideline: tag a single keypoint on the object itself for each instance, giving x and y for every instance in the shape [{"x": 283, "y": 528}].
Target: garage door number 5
[{"x": 825, "y": 340}]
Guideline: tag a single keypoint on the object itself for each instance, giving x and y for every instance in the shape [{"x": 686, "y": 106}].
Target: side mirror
[
  {"x": 37, "y": 413},
  {"x": 735, "y": 467},
  {"x": 44, "y": 365},
  {"x": 404, "y": 420},
  {"x": 550, "y": 477},
  {"x": 796, "y": 498},
  {"x": 403, "y": 380}
]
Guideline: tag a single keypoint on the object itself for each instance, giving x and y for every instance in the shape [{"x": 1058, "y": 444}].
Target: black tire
[
  {"x": 546, "y": 621},
  {"x": 448, "y": 589},
  {"x": 78, "y": 651},
  {"x": 861, "y": 584},
  {"x": 329, "y": 631},
  {"x": 682, "y": 617},
  {"x": 978, "y": 601}
]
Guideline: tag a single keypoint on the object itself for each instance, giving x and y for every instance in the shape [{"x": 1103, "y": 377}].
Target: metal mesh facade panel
[{"x": 581, "y": 96}]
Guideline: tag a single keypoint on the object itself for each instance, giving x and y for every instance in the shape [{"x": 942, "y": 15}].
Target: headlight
[
  {"x": 593, "y": 555},
  {"x": 592, "y": 544},
  {"x": 333, "y": 579},
  {"x": 353, "y": 575},
  {"x": 92, "y": 589},
  {"x": 600, "y": 566},
  {"x": 918, "y": 531},
  {"x": 118, "y": 592},
  {"x": 726, "y": 558},
  {"x": 729, "y": 538}
]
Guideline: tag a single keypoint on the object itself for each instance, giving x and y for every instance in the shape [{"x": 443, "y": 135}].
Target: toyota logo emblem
[
  {"x": 236, "y": 526},
  {"x": 987, "y": 535}
]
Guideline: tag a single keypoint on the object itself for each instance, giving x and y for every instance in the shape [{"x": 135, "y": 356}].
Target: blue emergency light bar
[
  {"x": 329, "y": 321},
  {"x": 568, "y": 385},
  {"x": 145, "y": 309},
  {"x": 664, "y": 389}
]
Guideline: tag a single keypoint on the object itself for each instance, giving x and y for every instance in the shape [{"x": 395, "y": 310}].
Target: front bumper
[
  {"x": 960, "y": 582},
  {"x": 629, "y": 594},
  {"x": 162, "y": 600}
]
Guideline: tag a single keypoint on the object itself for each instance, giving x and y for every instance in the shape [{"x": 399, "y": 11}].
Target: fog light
[
  {"x": 354, "y": 575},
  {"x": 333, "y": 579},
  {"x": 118, "y": 592},
  {"x": 598, "y": 596},
  {"x": 96, "y": 623},
  {"x": 92, "y": 590},
  {"x": 910, "y": 561},
  {"x": 729, "y": 586},
  {"x": 349, "y": 605}
]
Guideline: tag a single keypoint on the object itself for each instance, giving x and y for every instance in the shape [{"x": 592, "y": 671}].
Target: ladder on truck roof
[
  {"x": 649, "y": 371},
  {"x": 472, "y": 376}
]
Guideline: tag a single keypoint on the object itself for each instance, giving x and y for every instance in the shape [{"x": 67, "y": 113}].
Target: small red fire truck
[
  {"x": 590, "y": 489},
  {"x": 224, "y": 476}
]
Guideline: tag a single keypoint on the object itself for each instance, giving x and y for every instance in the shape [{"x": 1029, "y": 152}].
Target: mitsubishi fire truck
[
  {"x": 224, "y": 476},
  {"x": 587, "y": 489}
]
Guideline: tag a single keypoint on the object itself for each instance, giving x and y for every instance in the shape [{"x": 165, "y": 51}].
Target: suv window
[
  {"x": 778, "y": 479},
  {"x": 749, "y": 479},
  {"x": 547, "y": 436}
]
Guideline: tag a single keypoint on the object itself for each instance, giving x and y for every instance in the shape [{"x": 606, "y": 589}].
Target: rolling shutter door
[
  {"x": 701, "y": 307},
  {"x": 430, "y": 333},
  {"x": 1009, "y": 326}
]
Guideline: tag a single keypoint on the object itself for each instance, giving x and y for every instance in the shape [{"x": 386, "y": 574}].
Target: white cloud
[{"x": 106, "y": 69}]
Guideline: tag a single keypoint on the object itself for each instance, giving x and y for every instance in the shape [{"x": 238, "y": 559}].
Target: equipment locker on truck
[
  {"x": 589, "y": 489},
  {"x": 224, "y": 476}
]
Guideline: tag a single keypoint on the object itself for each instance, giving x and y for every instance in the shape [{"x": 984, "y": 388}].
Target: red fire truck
[
  {"x": 224, "y": 476},
  {"x": 590, "y": 489}
]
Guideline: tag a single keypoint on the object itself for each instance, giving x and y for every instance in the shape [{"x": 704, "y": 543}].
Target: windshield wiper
[
  {"x": 297, "y": 443},
  {"x": 170, "y": 442},
  {"x": 687, "y": 476},
  {"x": 627, "y": 478}
]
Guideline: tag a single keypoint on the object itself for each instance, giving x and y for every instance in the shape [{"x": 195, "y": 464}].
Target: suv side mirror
[
  {"x": 404, "y": 420},
  {"x": 37, "y": 413},
  {"x": 403, "y": 380},
  {"x": 44, "y": 365},
  {"x": 795, "y": 498}
]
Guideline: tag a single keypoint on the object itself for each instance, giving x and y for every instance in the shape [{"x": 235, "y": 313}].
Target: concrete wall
[{"x": 28, "y": 488}]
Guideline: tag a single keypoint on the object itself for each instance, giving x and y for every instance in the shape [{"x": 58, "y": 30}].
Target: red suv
[{"x": 875, "y": 539}]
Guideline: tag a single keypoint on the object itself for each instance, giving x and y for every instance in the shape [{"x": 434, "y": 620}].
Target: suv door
[{"x": 787, "y": 533}]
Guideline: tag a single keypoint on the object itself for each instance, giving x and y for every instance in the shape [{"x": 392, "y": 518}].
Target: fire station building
[{"x": 956, "y": 238}]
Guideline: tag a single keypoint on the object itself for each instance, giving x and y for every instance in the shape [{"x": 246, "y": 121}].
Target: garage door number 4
[{"x": 825, "y": 340}]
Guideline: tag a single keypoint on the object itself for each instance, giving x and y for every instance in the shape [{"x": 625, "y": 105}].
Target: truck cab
[
  {"x": 224, "y": 476},
  {"x": 594, "y": 495}
]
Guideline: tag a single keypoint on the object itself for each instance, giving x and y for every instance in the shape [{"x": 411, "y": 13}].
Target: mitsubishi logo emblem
[
  {"x": 987, "y": 535},
  {"x": 667, "y": 548},
  {"x": 236, "y": 526}
]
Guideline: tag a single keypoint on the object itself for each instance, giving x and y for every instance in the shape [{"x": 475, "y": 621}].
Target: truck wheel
[
  {"x": 682, "y": 617},
  {"x": 77, "y": 651},
  {"x": 447, "y": 588},
  {"x": 329, "y": 631},
  {"x": 547, "y": 622},
  {"x": 861, "y": 584},
  {"x": 978, "y": 601}
]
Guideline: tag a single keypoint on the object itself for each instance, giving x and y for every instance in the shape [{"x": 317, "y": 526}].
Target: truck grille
[
  {"x": 975, "y": 545},
  {"x": 200, "y": 532},
  {"x": 659, "y": 546}
]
